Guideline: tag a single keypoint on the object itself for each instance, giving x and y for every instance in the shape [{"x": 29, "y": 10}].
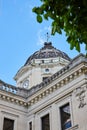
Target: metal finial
[{"x": 48, "y": 36}]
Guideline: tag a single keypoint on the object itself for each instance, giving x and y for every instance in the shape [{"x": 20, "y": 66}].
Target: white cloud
[
  {"x": 40, "y": 38},
  {"x": 48, "y": 29},
  {"x": 42, "y": 35}
]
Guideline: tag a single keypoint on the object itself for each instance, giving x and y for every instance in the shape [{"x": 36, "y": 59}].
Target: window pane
[
  {"x": 65, "y": 116},
  {"x": 30, "y": 126},
  {"x": 8, "y": 124},
  {"x": 45, "y": 122}
]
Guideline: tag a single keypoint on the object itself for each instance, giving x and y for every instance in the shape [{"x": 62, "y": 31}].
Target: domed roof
[{"x": 48, "y": 51}]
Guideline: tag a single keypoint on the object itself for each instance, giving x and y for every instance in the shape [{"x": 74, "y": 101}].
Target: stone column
[
  {"x": 37, "y": 123},
  {"x": 54, "y": 117}
]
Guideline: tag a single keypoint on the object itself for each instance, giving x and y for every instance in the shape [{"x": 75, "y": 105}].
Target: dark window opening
[
  {"x": 30, "y": 126},
  {"x": 65, "y": 117},
  {"x": 45, "y": 122},
  {"x": 42, "y": 61},
  {"x": 44, "y": 78},
  {"x": 8, "y": 124}
]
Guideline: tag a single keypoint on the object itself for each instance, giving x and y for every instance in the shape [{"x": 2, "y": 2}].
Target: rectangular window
[
  {"x": 44, "y": 78},
  {"x": 65, "y": 117},
  {"x": 45, "y": 122},
  {"x": 30, "y": 126},
  {"x": 8, "y": 124}
]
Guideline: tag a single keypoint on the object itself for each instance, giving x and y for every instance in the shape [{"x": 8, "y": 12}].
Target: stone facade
[{"x": 64, "y": 90}]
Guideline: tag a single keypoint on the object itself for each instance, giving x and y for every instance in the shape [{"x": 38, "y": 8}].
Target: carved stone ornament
[{"x": 80, "y": 94}]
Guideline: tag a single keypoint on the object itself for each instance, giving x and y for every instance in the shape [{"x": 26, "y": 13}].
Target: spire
[
  {"x": 48, "y": 36},
  {"x": 47, "y": 44}
]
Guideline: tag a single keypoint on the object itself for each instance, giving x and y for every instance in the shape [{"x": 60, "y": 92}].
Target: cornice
[
  {"x": 8, "y": 97},
  {"x": 43, "y": 93},
  {"x": 27, "y": 98},
  {"x": 56, "y": 86}
]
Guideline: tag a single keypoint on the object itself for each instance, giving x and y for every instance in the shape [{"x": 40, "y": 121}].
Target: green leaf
[
  {"x": 71, "y": 46},
  {"x": 77, "y": 47},
  {"x": 39, "y": 18},
  {"x": 58, "y": 29},
  {"x": 46, "y": 16},
  {"x": 53, "y": 30},
  {"x": 34, "y": 9},
  {"x": 67, "y": 15},
  {"x": 86, "y": 47}
]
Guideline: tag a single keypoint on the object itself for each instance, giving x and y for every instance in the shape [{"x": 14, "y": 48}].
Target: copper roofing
[{"x": 48, "y": 51}]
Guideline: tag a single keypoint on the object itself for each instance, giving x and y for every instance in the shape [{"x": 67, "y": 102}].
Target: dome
[{"x": 48, "y": 51}]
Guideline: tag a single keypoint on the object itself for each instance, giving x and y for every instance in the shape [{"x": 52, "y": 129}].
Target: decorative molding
[
  {"x": 11, "y": 114},
  {"x": 60, "y": 83},
  {"x": 80, "y": 94},
  {"x": 13, "y": 100}
]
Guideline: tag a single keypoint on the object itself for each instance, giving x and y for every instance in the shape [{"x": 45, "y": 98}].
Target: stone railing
[
  {"x": 8, "y": 88},
  {"x": 12, "y": 89}
]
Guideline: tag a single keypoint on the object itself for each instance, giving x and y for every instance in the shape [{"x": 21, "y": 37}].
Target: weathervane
[{"x": 47, "y": 36}]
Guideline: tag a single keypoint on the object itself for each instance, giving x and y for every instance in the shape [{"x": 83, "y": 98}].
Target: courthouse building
[{"x": 50, "y": 94}]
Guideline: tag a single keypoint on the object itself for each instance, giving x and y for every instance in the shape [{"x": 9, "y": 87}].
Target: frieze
[
  {"x": 12, "y": 100},
  {"x": 59, "y": 84}
]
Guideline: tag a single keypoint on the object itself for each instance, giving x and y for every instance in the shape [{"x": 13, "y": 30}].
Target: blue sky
[{"x": 21, "y": 35}]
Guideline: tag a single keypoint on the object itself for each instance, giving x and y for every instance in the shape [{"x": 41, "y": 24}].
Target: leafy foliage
[{"x": 67, "y": 15}]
